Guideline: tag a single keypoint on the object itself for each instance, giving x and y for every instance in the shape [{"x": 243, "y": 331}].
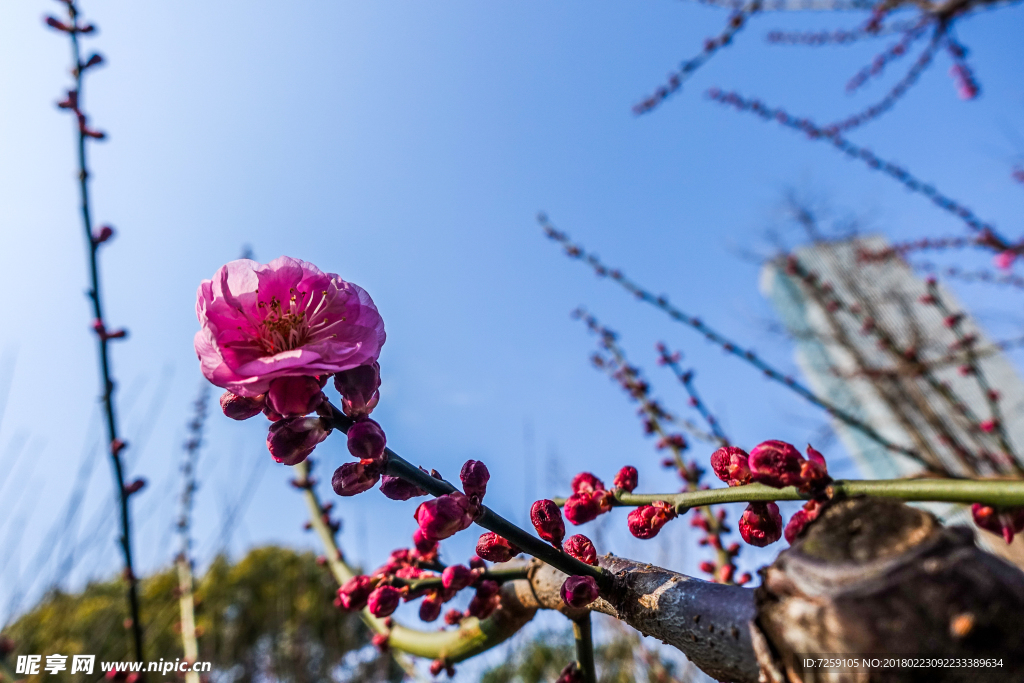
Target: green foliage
[
  {"x": 269, "y": 614},
  {"x": 620, "y": 658}
]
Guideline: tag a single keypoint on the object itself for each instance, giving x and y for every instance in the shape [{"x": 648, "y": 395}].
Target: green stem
[
  {"x": 583, "y": 633},
  {"x": 998, "y": 493}
]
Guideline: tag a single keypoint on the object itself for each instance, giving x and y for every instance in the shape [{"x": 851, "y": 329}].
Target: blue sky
[{"x": 408, "y": 146}]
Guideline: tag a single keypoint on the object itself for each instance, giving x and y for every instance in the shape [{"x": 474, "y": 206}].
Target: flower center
[{"x": 286, "y": 327}]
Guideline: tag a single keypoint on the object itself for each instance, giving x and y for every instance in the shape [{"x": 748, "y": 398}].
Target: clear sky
[{"x": 408, "y": 146}]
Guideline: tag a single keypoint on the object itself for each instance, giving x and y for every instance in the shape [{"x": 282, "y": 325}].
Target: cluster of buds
[
  {"x": 776, "y": 464},
  {"x": 588, "y": 500},
  {"x": 394, "y": 582},
  {"x": 451, "y": 513}
]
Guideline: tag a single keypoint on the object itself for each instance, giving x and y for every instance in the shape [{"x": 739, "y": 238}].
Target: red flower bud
[
  {"x": 71, "y": 102},
  {"x": 359, "y": 389},
  {"x": 1005, "y": 521},
  {"x": 585, "y": 506},
  {"x": 804, "y": 516},
  {"x": 474, "y": 477},
  {"x": 383, "y": 601},
  {"x": 495, "y": 548},
  {"x": 570, "y": 674},
  {"x": 456, "y": 577},
  {"x": 647, "y": 520},
  {"x": 453, "y": 617},
  {"x": 585, "y": 482},
  {"x": 707, "y": 567},
  {"x": 627, "y": 479},
  {"x": 731, "y": 465},
  {"x": 353, "y": 478},
  {"x": 761, "y": 524},
  {"x": 579, "y": 591},
  {"x": 291, "y": 441},
  {"x": 57, "y": 24},
  {"x": 547, "y": 520},
  {"x": 380, "y": 641},
  {"x": 776, "y": 463},
  {"x": 444, "y": 516},
  {"x": 476, "y": 562},
  {"x": 487, "y": 589},
  {"x": 354, "y": 594},
  {"x": 366, "y": 440},
  {"x": 424, "y": 545},
  {"x": 241, "y": 407},
  {"x": 95, "y": 59},
  {"x": 134, "y": 487},
  {"x": 430, "y": 608},
  {"x": 294, "y": 396},
  {"x": 397, "y": 488},
  {"x": 581, "y": 547}
]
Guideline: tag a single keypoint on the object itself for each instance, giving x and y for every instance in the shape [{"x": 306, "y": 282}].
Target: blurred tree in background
[{"x": 269, "y": 615}]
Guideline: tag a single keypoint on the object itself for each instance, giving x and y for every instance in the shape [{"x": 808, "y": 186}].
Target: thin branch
[
  {"x": 661, "y": 302},
  {"x": 995, "y": 492},
  {"x": 74, "y": 103}
]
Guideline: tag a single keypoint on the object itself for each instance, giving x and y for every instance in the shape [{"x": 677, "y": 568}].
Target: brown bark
[{"x": 877, "y": 577}]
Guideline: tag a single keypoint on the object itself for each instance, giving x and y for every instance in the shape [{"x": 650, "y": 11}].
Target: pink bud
[
  {"x": 585, "y": 482},
  {"x": 71, "y": 102},
  {"x": 430, "y": 608},
  {"x": 495, "y": 548},
  {"x": 583, "y": 507},
  {"x": 581, "y": 547},
  {"x": 444, "y": 516},
  {"x": 383, "y": 601},
  {"x": 988, "y": 426},
  {"x": 731, "y": 465},
  {"x": 800, "y": 519},
  {"x": 482, "y": 606},
  {"x": 647, "y": 520},
  {"x": 105, "y": 232},
  {"x": 474, "y": 477},
  {"x": 353, "y": 478},
  {"x": 291, "y": 441},
  {"x": 456, "y": 577},
  {"x": 354, "y": 594},
  {"x": 579, "y": 591},
  {"x": 436, "y": 667},
  {"x": 359, "y": 389},
  {"x": 547, "y": 520},
  {"x": 453, "y": 617},
  {"x": 397, "y": 488},
  {"x": 94, "y": 60},
  {"x": 761, "y": 524},
  {"x": 241, "y": 407},
  {"x": 1004, "y": 260},
  {"x": 626, "y": 479},
  {"x": 776, "y": 463},
  {"x": 571, "y": 674},
  {"x": 424, "y": 545},
  {"x": 707, "y": 567},
  {"x": 1005, "y": 521},
  {"x": 380, "y": 641},
  {"x": 366, "y": 440},
  {"x": 294, "y": 396},
  {"x": 134, "y": 487},
  {"x": 56, "y": 24},
  {"x": 477, "y": 562}
]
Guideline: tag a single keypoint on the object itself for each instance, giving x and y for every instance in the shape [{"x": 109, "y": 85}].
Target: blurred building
[{"x": 909, "y": 391}]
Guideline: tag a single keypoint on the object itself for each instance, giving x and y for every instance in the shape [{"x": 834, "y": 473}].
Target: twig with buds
[{"x": 73, "y": 27}]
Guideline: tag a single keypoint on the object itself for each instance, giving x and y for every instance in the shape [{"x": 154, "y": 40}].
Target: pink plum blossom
[{"x": 283, "y": 319}]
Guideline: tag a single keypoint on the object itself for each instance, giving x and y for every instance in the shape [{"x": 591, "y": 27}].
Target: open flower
[{"x": 283, "y": 319}]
